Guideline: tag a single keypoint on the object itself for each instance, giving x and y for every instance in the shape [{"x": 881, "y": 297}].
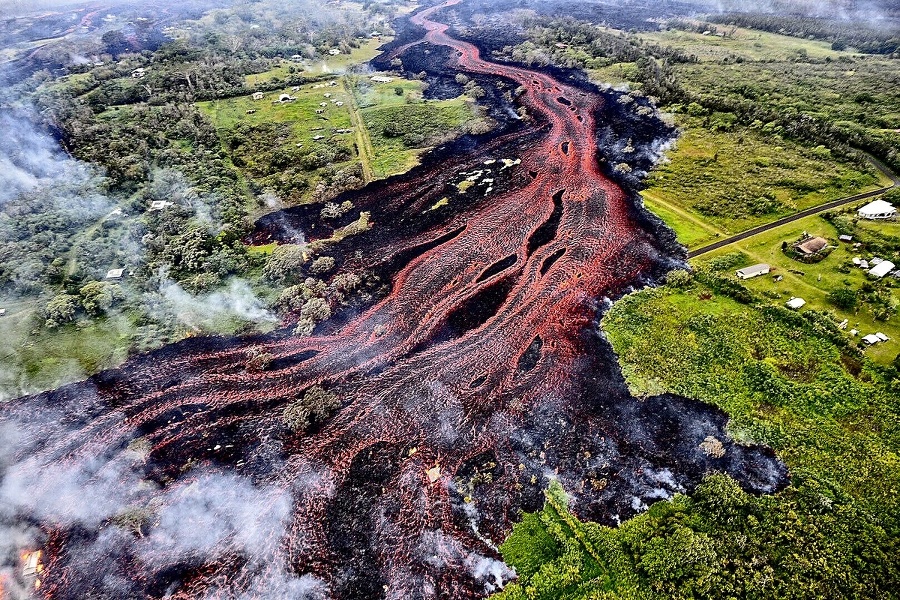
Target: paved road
[{"x": 895, "y": 179}]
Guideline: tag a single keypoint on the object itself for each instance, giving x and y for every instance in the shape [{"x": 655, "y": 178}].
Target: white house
[
  {"x": 881, "y": 269},
  {"x": 334, "y": 52},
  {"x": 115, "y": 274},
  {"x": 382, "y": 79},
  {"x": 159, "y": 205},
  {"x": 2, "y": 311},
  {"x": 257, "y": 95},
  {"x": 871, "y": 339},
  {"x": 753, "y": 271},
  {"x": 877, "y": 209},
  {"x": 796, "y": 303}
]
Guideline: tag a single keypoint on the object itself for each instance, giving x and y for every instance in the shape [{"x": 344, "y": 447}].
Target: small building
[
  {"x": 871, "y": 339},
  {"x": 434, "y": 473},
  {"x": 115, "y": 274},
  {"x": 753, "y": 271},
  {"x": 881, "y": 336},
  {"x": 295, "y": 88},
  {"x": 296, "y": 58},
  {"x": 881, "y": 269},
  {"x": 863, "y": 264},
  {"x": 812, "y": 246},
  {"x": 796, "y": 303},
  {"x": 257, "y": 95},
  {"x": 32, "y": 564},
  {"x": 846, "y": 238},
  {"x": 284, "y": 98},
  {"x": 877, "y": 210},
  {"x": 334, "y": 52},
  {"x": 138, "y": 73},
  {"x": 382, "y": 79},
  {"x": 2, "y": 312},
  {"x": 159, "y": 205}
]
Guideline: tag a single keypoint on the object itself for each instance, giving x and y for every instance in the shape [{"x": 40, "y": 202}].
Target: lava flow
[{"x": 476, "y": 379}]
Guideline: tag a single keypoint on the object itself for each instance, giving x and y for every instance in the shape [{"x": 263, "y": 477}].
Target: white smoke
[{"x": 236, "y": 300}]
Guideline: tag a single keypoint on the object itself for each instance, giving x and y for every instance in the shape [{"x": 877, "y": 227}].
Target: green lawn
[{"x": 817, "y": 280}]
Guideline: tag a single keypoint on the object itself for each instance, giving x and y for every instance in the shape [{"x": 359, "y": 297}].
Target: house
[
  {"x": 753, "y": 271},
  {"x": 159, "y": 205},
  {"x": 2, "y": 312},
  {"x": 863, "y": 264},
  {"x": 812, "y": 246},
  {"x": 296, "y": 58},
  {"x": 32, "y": 564},
  {"x": 881, "y": 336},
  {"x": 881, "y": 269},
  {"x": 257, "y": 95},
  {"x": 434, "y": 473},
  {"x": 334, "y": 52},
  {"x": 877, "y": 209},
  {"x": 115, "y": 274},
  {"x": 871, "y": 339},
  {"x": 796, "y": 303},
  {"x": 382, "y": 79},
  {"x": 138, "y": 73},
  {"x": 846, "y": 238}
]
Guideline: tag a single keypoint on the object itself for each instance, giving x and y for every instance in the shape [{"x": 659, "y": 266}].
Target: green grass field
[
  {"x": 730, "y": 181},
  {"x": 746, "y": 44},
  {"x": 416, "y": 127},
  {"x": 818, "y": 279},
  {"x": 326, "y": 65}
]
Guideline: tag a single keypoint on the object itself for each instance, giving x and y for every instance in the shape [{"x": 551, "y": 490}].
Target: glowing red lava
[{"x": 484, "y": 357}]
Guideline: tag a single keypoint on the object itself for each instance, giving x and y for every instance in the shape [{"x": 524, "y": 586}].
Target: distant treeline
[{"x": 841, "y": 34}]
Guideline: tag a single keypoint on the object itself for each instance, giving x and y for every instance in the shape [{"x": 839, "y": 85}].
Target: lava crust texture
[{"x": 477, "y": 376}]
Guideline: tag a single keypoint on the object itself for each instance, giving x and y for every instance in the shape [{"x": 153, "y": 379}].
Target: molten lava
[{"x": 476, "y": 378}]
